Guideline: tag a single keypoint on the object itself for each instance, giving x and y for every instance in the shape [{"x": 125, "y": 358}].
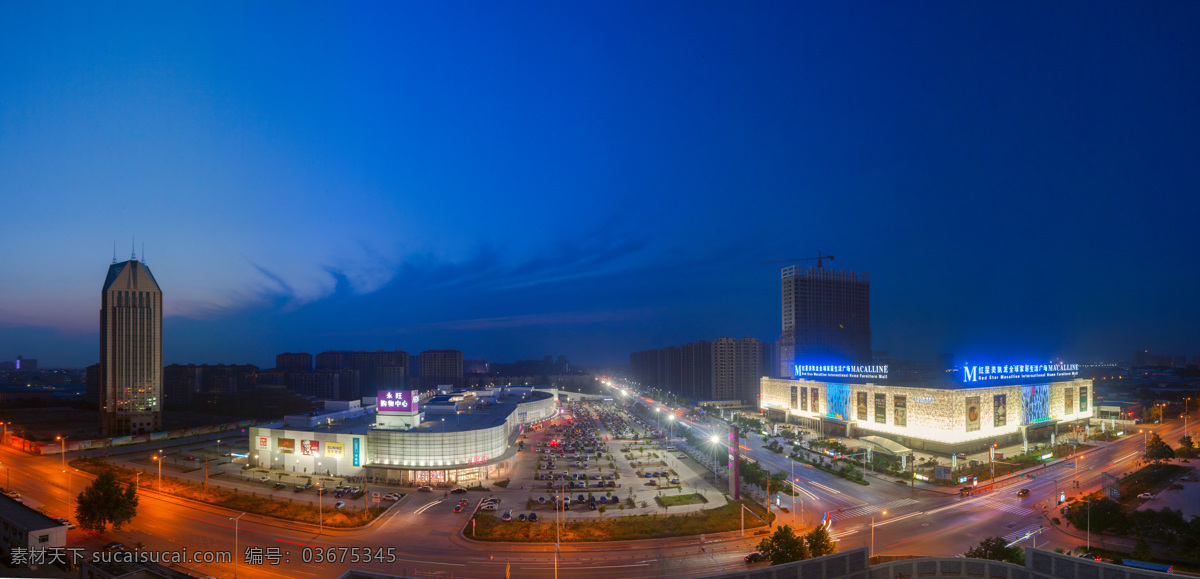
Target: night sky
[{"x": 515, "y": 179}]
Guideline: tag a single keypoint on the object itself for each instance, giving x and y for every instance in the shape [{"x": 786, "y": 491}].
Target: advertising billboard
[
  {"x": 1000, "y": 410},
  {"x": 1069, "y": 401},
  {"x": 264, "y": 442},
  {"x": 972, "y": 413},
  {"x": 804, "y": 398},
  {"x": 398, "y": 401},
  {"x": 286, "y": 445},
  {"x": 1083, "y": 401},
  {"x": 862, "y": 406},
  {"x": 816, "y": 400},
  {"x": 335, "y": 450},
  {"x": 355, "y": 454},
  {"x": 901, "y": 409},
  {"x": 310, "y": 447},
  {"x": 881, "y": 408}
]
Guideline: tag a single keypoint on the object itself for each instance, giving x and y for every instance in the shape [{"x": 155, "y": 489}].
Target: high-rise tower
[
  {"x": 130, "y": 351},
  {"x": 826, "y": 317}
]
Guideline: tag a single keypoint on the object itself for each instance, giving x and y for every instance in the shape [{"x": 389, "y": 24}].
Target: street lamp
[
  {"x": 320, "y": 507},
  {"x": 872, "y": 551},
  {"x": 64, "y": 450},
  {"x": 235, "y": 541},
  {"x": 158, "y": 459},
  {"x": 68, "y": 492}
]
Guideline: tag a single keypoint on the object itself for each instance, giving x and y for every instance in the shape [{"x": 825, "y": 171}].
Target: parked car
[
  {"x": 1147, "y": 496},
  {"x": 488, "y": 507},
  {"x": 114, "y": 546},
  {"x": 459, "y": 491},
  {"x": 533, "y": 517},
  {"x": 339, "y": 505},
  {"x": 541, "y": 500},
  {"x": 263, "y": 479}
]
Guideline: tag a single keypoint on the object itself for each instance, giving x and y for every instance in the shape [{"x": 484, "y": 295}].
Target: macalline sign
[
  {"x": 842, "y": 371},
  {"x": 398, "y": 401},
  {"x": 1012, "y": 372}
]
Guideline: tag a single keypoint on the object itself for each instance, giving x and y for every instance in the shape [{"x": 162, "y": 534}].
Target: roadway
[{"x": 425, "y": 535}]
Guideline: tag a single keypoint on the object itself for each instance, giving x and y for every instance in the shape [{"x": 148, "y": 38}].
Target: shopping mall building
[
  {"x": 456, "y": 437},
  {"x": 964, "y": 410}
]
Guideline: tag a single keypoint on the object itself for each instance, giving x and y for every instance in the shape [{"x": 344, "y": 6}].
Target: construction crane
[{"x": 819, "y": 258}]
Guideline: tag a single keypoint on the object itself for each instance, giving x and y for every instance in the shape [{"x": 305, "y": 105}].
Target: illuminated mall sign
[
  {"x": 841, "y": 371},
  {"x": 1036, "y": 371},
  {"x": 398, "y": 401}
]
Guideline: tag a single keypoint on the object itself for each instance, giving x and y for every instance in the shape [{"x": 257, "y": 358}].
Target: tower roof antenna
[
  {"x": 132, "y": 249},
  {"x": 143, "y": 253},
  {"x": 114, "y": 252}
]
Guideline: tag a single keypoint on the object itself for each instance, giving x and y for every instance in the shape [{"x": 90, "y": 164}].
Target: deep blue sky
[{"x": 524, "y": 178}]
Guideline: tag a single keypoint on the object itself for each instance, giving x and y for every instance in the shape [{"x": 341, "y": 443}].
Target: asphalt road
[{"x": 424, "y": 534}]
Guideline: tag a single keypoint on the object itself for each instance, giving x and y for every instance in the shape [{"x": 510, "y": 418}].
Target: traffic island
[
  {"x": 488, "y": 527},
  {"x": 251, "y": 502}
]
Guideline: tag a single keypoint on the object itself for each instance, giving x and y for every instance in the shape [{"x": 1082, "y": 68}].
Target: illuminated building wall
[{"x": 943, "y": 415}]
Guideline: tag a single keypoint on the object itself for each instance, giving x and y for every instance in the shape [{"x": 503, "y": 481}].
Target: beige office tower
[{"x": 130, "y": 351}]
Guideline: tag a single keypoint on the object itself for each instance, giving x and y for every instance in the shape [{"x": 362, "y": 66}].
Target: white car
[
  {"x": 339, "y": 505},
  {"x": 391, "y": 497},
  {"x": 488, "y": 507},
  {"x": 1147, "y": 496}
]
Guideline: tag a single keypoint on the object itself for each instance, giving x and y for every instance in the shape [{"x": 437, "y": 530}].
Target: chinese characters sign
[{"x": 398, "y": 401}]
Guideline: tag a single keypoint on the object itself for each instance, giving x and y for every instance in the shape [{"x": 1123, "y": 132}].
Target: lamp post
[
  {"x": 320, "y": 507},
  {"x": 68, "y": 492},
  {"x": 64, "y": 451},
  {"x": 235, "y": 541},
  {"x": 158, "y": 458},
  {"x": 137, "y": 480},
  {"x": 871, "y": 552}
]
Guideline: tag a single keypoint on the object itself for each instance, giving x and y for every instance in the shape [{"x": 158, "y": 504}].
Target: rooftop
[{"x": 24, "y": 516}]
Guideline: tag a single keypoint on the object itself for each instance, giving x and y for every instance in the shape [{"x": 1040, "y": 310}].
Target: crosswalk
[
  {"x": 862, "y": 510},
  {"x": 1005, "y": 506},
  {"x": 1013, "y": 536}
]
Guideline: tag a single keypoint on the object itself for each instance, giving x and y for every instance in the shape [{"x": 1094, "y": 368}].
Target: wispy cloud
[{"x": 530, "y": 320}]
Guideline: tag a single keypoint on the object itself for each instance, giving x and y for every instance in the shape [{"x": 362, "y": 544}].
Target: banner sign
[
  {"x": 355, "y": 453},
  {"x": 862, "y": 406},
  {"x": 264, "y": 442},
  {"x": 310, "y": 447},
  {"x": 1000, "y": 410},
  {"x": 901, "y": 409},
  {"x": 972, "y": 413},
  {"x": 286, "y": 445},
  {"x": 335, "y": 450},
  {"x": 1014, "y": 372},
  {"x": 881, "y": 408},
  {"x": 842, "y": 371}
]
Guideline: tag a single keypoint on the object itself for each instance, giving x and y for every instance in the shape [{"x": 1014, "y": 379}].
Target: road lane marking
[
  {"x": 427, "y": 507},
  {"x": 895, "y": 519},
  {"x": 825, "y": 487}
]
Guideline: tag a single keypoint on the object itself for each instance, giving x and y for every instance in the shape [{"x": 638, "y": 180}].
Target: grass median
[
  {"x": 259, "y": 503},
  {"x": 488, "y": 527}
]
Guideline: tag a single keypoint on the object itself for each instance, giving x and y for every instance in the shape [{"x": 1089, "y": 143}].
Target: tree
[
  {"x": 819, "y": 542},
  {"x": 997, "y": 549},
  {"x": 1187, "y": 448},
  {"x": 783, "y": 546},
  {"x": 1141, "y": 550},
  {"x": 1157, "y": 450},
  {"x": 106, "y": 501}
]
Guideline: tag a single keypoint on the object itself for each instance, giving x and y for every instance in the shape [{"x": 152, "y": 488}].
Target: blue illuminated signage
[
  {"x": 1010, "y": 372},
  {"x": 355, "y": 452},
  {"x": 842, "y": 371}
]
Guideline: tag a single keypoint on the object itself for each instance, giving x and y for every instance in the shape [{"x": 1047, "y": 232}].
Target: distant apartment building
[
  {"x": 92, "y": 384},
  {"x": 440, "y": 367},
  {"x": 294, "y": 362},
  {"x": 130, "y": 351},
  {"x": 181, "y": 382},
  {"x": 725, "y": 369},
  {"x": 826, "y": 317},
  {"x": 376, "y": 370}
]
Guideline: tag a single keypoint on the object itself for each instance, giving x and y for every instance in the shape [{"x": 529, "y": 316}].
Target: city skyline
[{"x": 569, "y": 180}]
